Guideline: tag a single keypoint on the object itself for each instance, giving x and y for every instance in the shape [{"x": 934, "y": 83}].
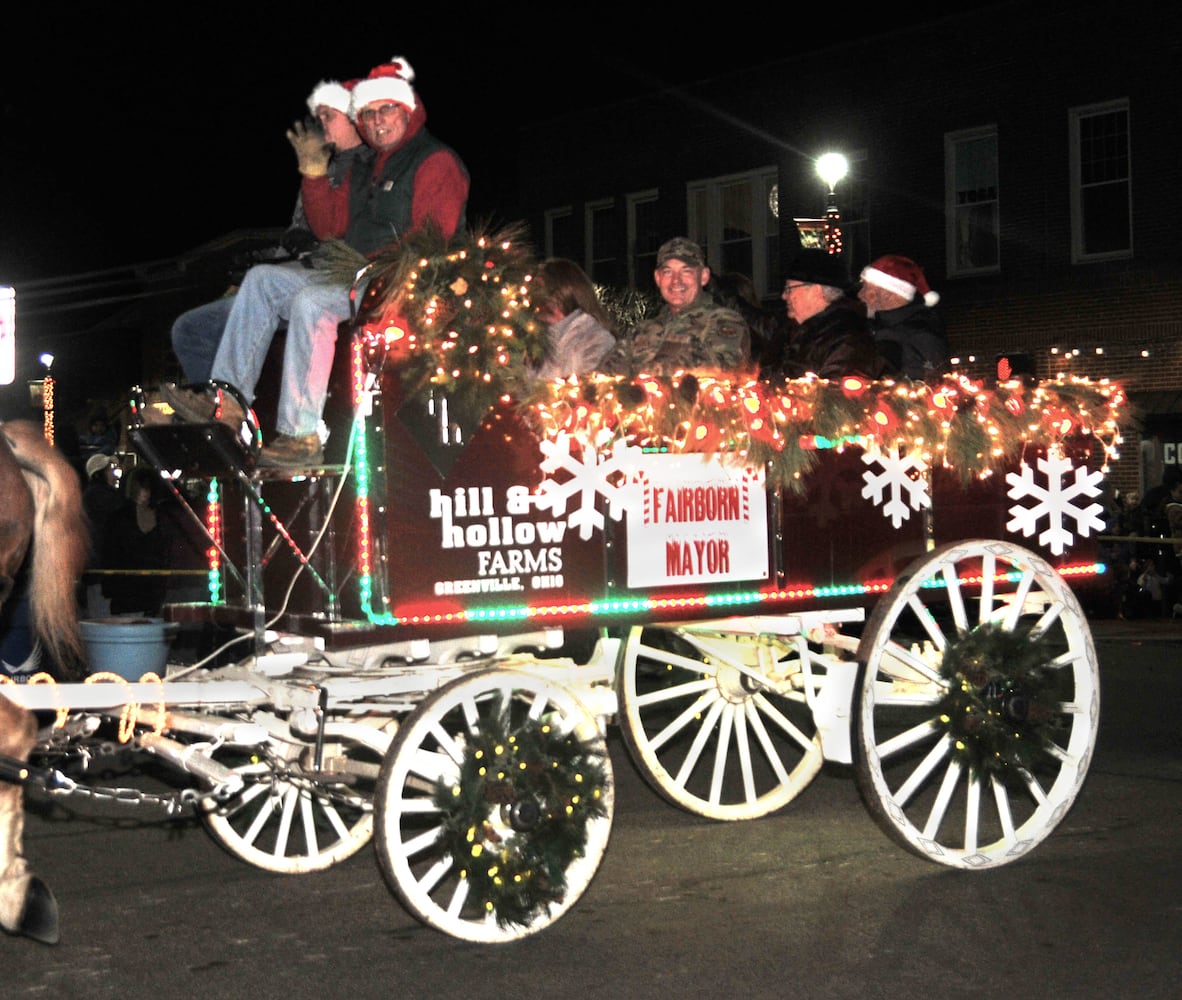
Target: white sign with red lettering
[{"x": 700, "y": 522}]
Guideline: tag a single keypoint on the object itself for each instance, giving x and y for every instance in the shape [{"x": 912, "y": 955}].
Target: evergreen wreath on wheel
[
  {"x": 1001, "y": 708},
  {"x": 516, "y": 817}
]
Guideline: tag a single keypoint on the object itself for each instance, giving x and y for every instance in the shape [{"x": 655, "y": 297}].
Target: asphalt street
[{"x": 811, "y": 902}]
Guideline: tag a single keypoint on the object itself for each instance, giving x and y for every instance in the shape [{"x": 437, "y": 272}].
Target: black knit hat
[{"x": 818, "y": 267}]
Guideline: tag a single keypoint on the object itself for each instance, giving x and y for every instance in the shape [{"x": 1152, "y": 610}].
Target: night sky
[{"x": 136, "y": 131}]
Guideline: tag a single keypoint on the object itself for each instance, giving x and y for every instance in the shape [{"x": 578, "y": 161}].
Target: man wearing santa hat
[
  {"x": 408, "y": 180},
  {"x": 197, "y": 332},
  {"x": 905, "y": 326}
]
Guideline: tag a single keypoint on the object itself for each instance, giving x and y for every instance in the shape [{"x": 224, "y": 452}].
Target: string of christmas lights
[{"x": 956, "y": 424}]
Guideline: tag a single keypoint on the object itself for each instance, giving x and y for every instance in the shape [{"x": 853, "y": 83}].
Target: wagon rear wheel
[
  {"x": 494, "y": 806},
  {"x": 977, "y": 706},
  {"x": 292, "y": 819},
  {"x": 719, "y": 725}
]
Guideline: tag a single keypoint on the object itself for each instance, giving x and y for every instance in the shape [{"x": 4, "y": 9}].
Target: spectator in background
[
  {"x": 691, "y": 330},
  {"x": 197, "y": 333},
  {"x": 831, "y": 339},
  {"x": 100, "y": 499},
  {"x": 768, "y": 328},
  {"x": 578, "y": 328},
  {"x": 135, "y": 541},
  {"x": 903, "y": 321}
]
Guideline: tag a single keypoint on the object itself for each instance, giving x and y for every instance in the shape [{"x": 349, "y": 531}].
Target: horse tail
[{"x": 61, "y": 541}]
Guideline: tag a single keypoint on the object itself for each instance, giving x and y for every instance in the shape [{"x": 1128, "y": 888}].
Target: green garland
[
  {"x": 1001, "y": 710},
  {"x": 516, "y": 817},
  {"x": 957, "y": 424}
]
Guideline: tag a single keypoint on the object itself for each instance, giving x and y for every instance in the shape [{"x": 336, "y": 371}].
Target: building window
[
  {"x": 603, "y": 242},
  {"x": 972, "y": 216},
  {"x": 561, "y": 238},
  {"x": 644, "y": 238},
  {"x": 1101, "y": 182},
  {"x": 732, "y": 219}
]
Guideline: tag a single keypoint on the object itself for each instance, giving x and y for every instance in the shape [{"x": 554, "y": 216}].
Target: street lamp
[{"x": 831, "y": 168}]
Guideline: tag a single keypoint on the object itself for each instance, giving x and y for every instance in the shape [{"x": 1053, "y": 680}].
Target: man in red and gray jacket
[{"x": 407, "y": 180}]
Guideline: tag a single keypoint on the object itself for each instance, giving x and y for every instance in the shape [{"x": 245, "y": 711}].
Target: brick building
[{"x": 996, "y": 147}]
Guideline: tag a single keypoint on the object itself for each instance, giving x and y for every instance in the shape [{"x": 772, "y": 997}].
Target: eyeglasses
[
  {"x": 369, "y": 115},
  {"x": 788, "y": 286}
]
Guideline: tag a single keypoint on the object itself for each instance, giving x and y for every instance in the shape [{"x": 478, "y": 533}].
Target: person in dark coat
[
  {"x": 831, "y": 339},
  {"x": 135, "y": 539},
  {"x": 100, "y": 499},
  {"x": 903, "y": 321}
]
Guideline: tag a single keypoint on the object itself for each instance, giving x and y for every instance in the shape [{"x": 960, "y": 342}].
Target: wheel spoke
[
  {"x": 309, "y": 823},
  {"x": 952, "y": 775},
  {"x": 896, "y": 652},
  {"x": 928, "y": 620},
  {"x": 260, "y": 820},
  {"x": 695, "y": 751},
  {"x": 783, "y": 723},
  {"x": 743, "y": 744},
  {"x": 674, "y": 691},
  {"x": 684, "y": 719},
  {"x": 960, "y": 617},
  {"x": 988, "y": 578},
  {"x": 919, "y": 733},
  {"x": 917, "y": 777},
  {"x": 674, "y": 659},
  {"x": 425, "y": 840},
  {"x": 721, "y": 752},
  {"x": 770, "y": 752},
  {"x": 972, "y": 818}
]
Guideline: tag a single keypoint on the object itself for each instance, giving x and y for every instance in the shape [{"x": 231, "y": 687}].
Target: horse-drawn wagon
[{"x": 747, "y": 578}]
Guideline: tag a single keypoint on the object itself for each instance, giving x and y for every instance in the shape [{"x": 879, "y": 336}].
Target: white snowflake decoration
[
  {"x": 589, "y": 478},
  {"x": 903, "y": 475},
  {"x": 1055, "y": 501}
]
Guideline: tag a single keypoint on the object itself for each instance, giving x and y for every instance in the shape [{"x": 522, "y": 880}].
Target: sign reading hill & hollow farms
[
  {"x": 522, "y": 522},
  {"x": 690, "y": 520}
]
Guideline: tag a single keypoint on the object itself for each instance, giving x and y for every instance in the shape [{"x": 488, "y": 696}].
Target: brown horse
[{"x": 40, "y": 506}]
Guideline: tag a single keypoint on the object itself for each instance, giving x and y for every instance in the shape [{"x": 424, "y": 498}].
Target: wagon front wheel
[
  {"x": 292, "y": 818},
  {"x": 494, "y": 806},
  {"x": 977, "y": 704}
]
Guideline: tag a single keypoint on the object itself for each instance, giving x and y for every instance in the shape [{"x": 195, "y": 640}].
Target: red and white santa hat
[
  {"x": 332, "y": 94},
  {"x": 900, "y": 275},
  {"x": 388, "y": 82}
]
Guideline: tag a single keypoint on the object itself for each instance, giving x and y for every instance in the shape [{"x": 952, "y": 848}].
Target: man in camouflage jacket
[{"x": 691, "y": 330}]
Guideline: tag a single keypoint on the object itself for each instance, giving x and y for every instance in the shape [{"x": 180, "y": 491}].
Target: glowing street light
[{"x": 832, "y": 168}]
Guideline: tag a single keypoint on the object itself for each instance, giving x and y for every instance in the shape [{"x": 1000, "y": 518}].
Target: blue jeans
[
  {"x": 271, "y": 294},
  {"x": 195, "y": 337}
]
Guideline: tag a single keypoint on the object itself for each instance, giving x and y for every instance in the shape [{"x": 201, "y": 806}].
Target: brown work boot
[
  {"x": 195, "y": 407},
  {"x": 287, "y": 452},
  {"x": 229, "y": 412}
]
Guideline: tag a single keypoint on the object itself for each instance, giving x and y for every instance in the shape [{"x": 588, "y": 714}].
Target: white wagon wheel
[
  {"x": 719, "y": 725},
  {"x": 977, "y": 705},
  {"x": 494, "y": 806},
  {"x": 291, "y": 820}
]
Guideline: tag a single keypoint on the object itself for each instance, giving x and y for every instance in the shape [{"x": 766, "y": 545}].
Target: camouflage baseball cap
[{"x": 682, "y": 249}]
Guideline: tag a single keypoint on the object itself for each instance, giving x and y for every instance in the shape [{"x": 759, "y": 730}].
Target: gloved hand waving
[{"x": 312, "y": 150}]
